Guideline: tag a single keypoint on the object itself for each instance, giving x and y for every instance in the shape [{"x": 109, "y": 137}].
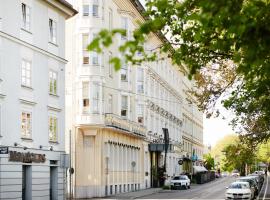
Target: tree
[
  {"x": 239, "y": 156},
  {"x": 209, "y": 161},
  {"x": 264, "y": 152},
  {"x": 217, "y": 151},
  {"x": 224, "y": 46}
]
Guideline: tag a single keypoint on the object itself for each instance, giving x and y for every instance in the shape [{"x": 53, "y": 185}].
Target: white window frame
[
  {"x": 28, "y": 124},
  {"x": 55, "y": 82},
  {"x": 110, "y": 19},
  {"x": 124, "y": 107},
  {"x": 140, "y": 80},
  {"x": 52, "y": 31},
  {"x": 85, "y": 38},
  {"x": 140, "y": 115},
  {"x": 85, "y": 7},
  {"x": 110, "y": 65},
  {"x": 96, "y": 97},
  {"x": 124, "y": 25},
  {"x": 95, "y": 8},
  {"x": 124, "y": 73},
  {"x": 53, "y": 135},
  {"x": 26, "y": 16},
  {"x": 110, "y": 103},
  {"x": 26, "y": 74},
  {"x": 85, "y": 97}
]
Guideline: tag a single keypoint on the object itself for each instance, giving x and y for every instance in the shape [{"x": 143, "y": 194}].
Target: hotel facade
[
  {"x": 32, "y": 93},
  {"x": 117, "y": 118}
]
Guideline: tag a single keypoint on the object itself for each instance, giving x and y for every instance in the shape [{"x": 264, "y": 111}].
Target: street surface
[
  {"x": 212, "y": 190},
  {"x": 265, "y": 192}
]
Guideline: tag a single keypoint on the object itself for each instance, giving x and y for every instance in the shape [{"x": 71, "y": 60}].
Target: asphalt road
[
  {"x": 265, "y": 191},
  {"x": 212, "y": 190}
]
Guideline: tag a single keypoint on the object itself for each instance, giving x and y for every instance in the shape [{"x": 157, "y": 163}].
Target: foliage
[
  {"x": 264, "y": 152},
  {"x": 224, "y": 45},
  {"x": 209, "y": 161},
  {"x": 217, "y": 151},
  {"x": 238, "y": 156}
]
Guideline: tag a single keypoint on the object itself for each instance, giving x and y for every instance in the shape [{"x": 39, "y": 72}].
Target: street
[{"x": 212, "y": 190}]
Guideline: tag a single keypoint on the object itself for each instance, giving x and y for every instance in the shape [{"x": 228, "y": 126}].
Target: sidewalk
[
  {"x": 135, "y": 195},
  {"x": 265, "y": 191}
]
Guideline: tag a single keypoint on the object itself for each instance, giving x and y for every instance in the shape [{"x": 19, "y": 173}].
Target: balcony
[{"x": 115, "y": 121}]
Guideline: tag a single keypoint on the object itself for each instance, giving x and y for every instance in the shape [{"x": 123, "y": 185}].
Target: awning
[{"x": 199, "y": 169}]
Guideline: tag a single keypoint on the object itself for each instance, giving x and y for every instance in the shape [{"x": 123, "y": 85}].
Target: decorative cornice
[
  {"x": 28, "y": 102},
  {"x": 2, "y": 96},
  {"x": 54, "y": 109}
]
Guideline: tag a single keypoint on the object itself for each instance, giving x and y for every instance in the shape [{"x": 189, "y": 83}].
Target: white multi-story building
[
  {"x": 32, "y": 98},
  {"x": 113, "y": 116}
]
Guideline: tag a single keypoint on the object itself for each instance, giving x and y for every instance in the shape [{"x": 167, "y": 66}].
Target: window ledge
[
  {"x": 27, "y": 31},
  {"x": 124, "y": 81},
  {"x": 27, "y": 87},
  {"x": 53, "y": 142},
  {"x": 27, "y": 139},
  {"x": 54, "y": 44},
  {"x": 54, "y": 95}
]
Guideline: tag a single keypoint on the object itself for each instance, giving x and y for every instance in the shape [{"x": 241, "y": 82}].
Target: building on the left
[{"x": 32, "y": 98}]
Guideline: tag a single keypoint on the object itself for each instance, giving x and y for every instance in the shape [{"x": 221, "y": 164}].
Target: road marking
[{"x": 265, "y": 188}]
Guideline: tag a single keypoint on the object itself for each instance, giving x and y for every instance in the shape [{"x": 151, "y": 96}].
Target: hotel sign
[
  {"x": 124, "y": 124},
  {"x": 28, "y": 157}
]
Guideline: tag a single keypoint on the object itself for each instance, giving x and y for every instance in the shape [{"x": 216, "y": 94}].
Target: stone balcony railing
[{"x": 132, "y": 127}]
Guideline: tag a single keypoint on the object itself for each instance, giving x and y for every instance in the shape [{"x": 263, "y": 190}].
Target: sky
[{"x": 214, "y": 130}]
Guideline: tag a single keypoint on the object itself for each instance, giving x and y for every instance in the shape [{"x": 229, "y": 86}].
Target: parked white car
[
  {"x": 181, "y": 181},
  {"x": 239, "y": 190},
  {"x": 235, "y": 173}
]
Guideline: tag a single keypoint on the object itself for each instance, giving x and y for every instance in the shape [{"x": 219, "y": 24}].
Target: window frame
[
  {"x": 24, "y": 64},
  {"x": 124, "y": 108},
  {"x": 55, "y": 128},
  {"x": 95, "y": 9},
  {"x": 23, "y": 133},
  {"x": 96, "y": 97},
  {"x": 26, "y": 12},
  {"x": 52, "y": 31},
  {"x": 124, "y": 68},
  {"x": 56, "y": 81},
  {"x": 84, "y": 14},
  {"x": 85, "y": 97}
]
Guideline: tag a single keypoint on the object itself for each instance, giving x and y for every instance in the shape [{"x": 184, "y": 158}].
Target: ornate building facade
[{"x": 114, "y": 116}]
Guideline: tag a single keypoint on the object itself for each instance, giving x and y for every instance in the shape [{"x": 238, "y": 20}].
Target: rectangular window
[
  {"x": 96, "y": 97},
  {"x": 53, "y": 129},
  {"x": 110, "y": 103},
  {"x": 26, "y": 124},
  {"x": 85, "y": 41},
  {"x": 53, "y": 82},
  {"x": 124, "y": 106},
  {"x": 26, "y": 73},
  {"x": 26, "y": 17},
  {"x": 124, "y": 25},
  {"x": 140, "y": 80},
  {"x": 110, "y": 65},
  {"x": 52, "y": 31},
  {"x": 85, "y": 10},
  {"x": 95, "y": 8},
  {"x": 140, "y": 113},
  {"x": 124, "y": 72},
  {"x": 85, "y": 96},
  {"x": 110, "y": 19},
  {"x": 85, "y": 57},
  {"x": 95, "y": 58}
]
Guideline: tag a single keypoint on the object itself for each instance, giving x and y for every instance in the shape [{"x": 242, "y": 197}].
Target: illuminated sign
[{"x": 28, "y": 157}]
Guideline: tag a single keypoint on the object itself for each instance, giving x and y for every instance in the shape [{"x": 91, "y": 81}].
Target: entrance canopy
[
  {"x": 159, "y": 147},
  {"x": 199, "y": 169}
]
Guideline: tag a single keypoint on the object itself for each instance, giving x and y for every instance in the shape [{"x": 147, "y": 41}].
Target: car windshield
[
  {"x": 179, "y": 178},
  {"x": 238, "y": 186},
  {"x": 251, "y": 182}
]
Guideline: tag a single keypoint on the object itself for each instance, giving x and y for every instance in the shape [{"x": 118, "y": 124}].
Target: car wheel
[
  {"x": 189, "y": 187},
  {"x": 186, "y": 187}
]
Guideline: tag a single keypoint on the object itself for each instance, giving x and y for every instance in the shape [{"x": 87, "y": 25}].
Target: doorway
[
  {"x": 53, "y": 183},
  {"x": 26, "y": 182}
]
